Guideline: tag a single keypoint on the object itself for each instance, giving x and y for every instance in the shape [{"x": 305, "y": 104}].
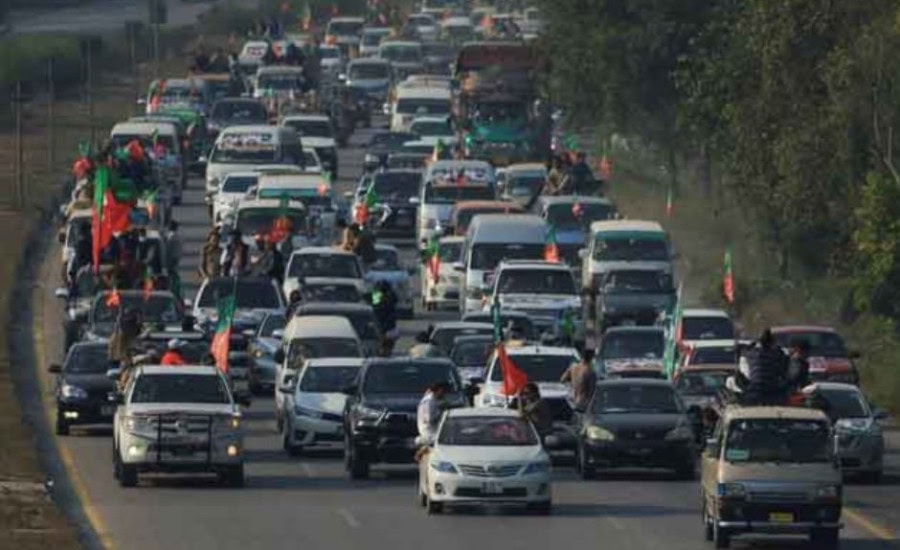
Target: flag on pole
[
  {"x": 439, "y": 149},
  {"x": 551, "y": 250},
  {"x": 433, "y": 257},
  {"x": 670, "y": 202},
  {"x": 109, "y": 215},
  {"x": 282, "y": 225},
  {"x": 673, "y": 337},
  {"x": 728, "y": 277},
  {"x": 514, "y": 379},
  {"x": 369, "y": 200},
  {"x": 222, "y": 338},
  {"x": 306, "y": 16},
  {"x": 496, "y": 320},
  {"x": 146, "y": 283},
  {"x": 150, "y": 199}
]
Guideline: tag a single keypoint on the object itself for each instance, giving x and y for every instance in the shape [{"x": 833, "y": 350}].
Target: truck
[{"x": 499, "y": 116}]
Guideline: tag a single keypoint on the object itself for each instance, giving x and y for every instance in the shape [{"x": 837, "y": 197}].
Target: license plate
[
  {"x": 492, "y": 488},
  {"x": 107, "y": 410},
  {"x": 639, "y": 452},
  {"x": 781, "y": 517}
]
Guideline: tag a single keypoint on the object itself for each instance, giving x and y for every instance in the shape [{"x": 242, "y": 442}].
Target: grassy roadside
[{"x": 702, "y": 228}]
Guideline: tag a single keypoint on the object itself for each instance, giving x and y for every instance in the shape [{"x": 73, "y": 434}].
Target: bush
[{"x": 24, "y": 59}]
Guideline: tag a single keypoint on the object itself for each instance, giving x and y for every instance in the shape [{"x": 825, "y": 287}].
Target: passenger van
[
  {"x": 160, "y": 140},
  {"x": 442, "y": 190},
  {"x": 241, "y": 148},
  {"x": 624, "y": 244},
  {"x": 314, "y": 191},
  {"x": 492, "y": 238},
  {"x": 416, "y": 102}
]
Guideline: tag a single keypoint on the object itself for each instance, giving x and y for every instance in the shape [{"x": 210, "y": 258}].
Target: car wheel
[
  {"x": 279, "y": 422},
  {"x": 541, "y": 508},
  {"x": 826, "y": 539},
  {"x": 586, "y": 470},
  {"x": 433, "y": 507},
  {"x": 128, "y": 474},
  {"x": 704, "y": 516},
  {"x": 357, "y": 468},
  {"x": 62, "y": 427},
  {"x": 291, "y": 449},
  {"x": 721, "y": 537},
  {"x": 233, "y": 476}
]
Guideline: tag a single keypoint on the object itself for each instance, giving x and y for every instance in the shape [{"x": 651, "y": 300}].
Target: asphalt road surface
[{"x": 310, "y": 502}]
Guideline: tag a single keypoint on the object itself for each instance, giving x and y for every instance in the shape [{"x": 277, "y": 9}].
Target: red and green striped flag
[
  {"x": 110, "y": 216},
  {"x": 222, "y": 338},
  {"x": 306, "y": 17},
  {"x": 551, "y": 250},
  {"x": 433, "y": 256},
  {"x": 670, "y": 202},
  {"x": 282, "y": 226},
  {"x": 728, "y": 277},
  {"x": 369, "y": 200},
  {"x": 147, "y": 283}
]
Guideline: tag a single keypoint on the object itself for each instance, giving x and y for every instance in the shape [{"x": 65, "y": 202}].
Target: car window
[
  {"x": 180, "y": 388},
  {"x": 87, "y": 359},
  {"x": 325, "y": 265},
  {"x": 634, "y": 398},
  {"x": 777, "y": 440},
  {"x": 467, "y": 354},
  {"x": 486, "y": 431},
  {"x": 712, "y": 356},
  {"x": 578, "y": 216},
  {"x": 238, "y": 184},
  {"x": 633, "y": 345},
  {"x": 614, "y": 249},
  {"x": 535, "y": 281},
  {"x": 272, "y": 323},
  {"x": 327, "y": 379},
  {"x": 538, "y": 367},
  {"x": 701, "y": 383},
  {"x": 707, "y": 328},
  {"x": 330, "y": 293},
  {"x": 301, "y": 349},
  {"x": 249, "y": 294},
  {"x": 443, "y": 337},
  {"x": 407, "y": 378},
  {"x": 387, "y": 259},
  {"x": 821, "y": 343},
  {"x": 159, "y": 308},
  {"x": 844, "y": 403},
  {"x": 486, "y": 256}
]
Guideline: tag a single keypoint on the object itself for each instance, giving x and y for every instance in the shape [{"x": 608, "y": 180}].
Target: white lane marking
[
  {"x": 619, "y": 526},
  {"x": 349, "y": 518},
  {"x": 307, "y": 469}
]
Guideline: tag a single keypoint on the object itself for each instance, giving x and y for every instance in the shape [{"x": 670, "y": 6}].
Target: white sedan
[{"x": 485, "y": 456}]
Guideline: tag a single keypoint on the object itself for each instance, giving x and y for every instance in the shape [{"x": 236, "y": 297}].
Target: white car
[
  {"x": 323, "y": 261},
  {"x": 313, "y": 408},
  {"x": 699, "y": 325},
  {"x": 433, "y": 129},
  {"x": 316, "y": 134},
  {"x": 232, "y": 190},
  {"x": 485, "y": 456}
]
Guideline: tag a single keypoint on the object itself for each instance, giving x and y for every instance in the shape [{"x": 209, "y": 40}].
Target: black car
[
  {"x": 635, "y": 422},
  {"x": 380, "y": 413},
  {"x": 470, "y": 354},
  {"x": 235, "y": 111},
  {"x": 382, "y": 144},
  {"x": 398, "y": 196},
  {"x": 82, "y": 387}
]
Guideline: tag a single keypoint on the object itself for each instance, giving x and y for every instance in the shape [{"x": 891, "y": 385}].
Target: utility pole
[
  {"x": 132, "y": 38},
  {"x": 51, "y": 98},
  {"x": 90, "y": 90},
  {"x": 156, "y": 50},
  {"x": 20, "y": 156}
]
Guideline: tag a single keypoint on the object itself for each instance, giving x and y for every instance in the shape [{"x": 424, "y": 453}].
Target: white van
[
  {"x": 441, "y": 190},
  {"x": 624, "y": 244},
  {"x": 417, "y": 102},
  {"x": 160, "y": 141},
  {"x": 241, "y": 148},
  {"x": 491, "y": 239}
]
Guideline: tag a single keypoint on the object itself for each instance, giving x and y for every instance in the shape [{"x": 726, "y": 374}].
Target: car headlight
[
  {"x": 827, "y": 492},
  {"x": 212, "y": 183},
  {"x": 369, "y": 413},
  {"x": 856, "y": 426},
  {"x": 679, "y": 433},
  {"x": 258, "y": 353},
  {"x": 443, "y": 466},
  {"x": 73, "y": 392},
  {"x": 371, "y": 159},
  {"x": 303, "y": 411},
  {"x": 597, "y": 433},
  {"x": 232, "y": 422},
  {"x": 138, "y": 424},
  {"x": 536, "y": 468},
  {"x": 731, "y": 490},
  {"x": 493, "y": 400}
]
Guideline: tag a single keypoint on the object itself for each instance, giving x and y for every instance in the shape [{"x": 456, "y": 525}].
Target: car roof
[
  {"x": 634, "y": 381},
  {"x": 369, "y": 61},
  {"x": 832, "y": 386},
  {"x": 465, "y": 338},
  {"x": 279, "y": 69},
  {"x": 461, "y": 324},
  {"x": 707, "y": 344},
  {"x": 803, "y": 328},
  {"x": 144, "y": 128},
  {"x": 292, "y": 180},
  {"x": 499, "y": 227},
  {"x": 483, "y": 411},
  {"x": 336, "y": 362},
  {"x": 572, "y": 199},
  {"x": 294, "y": 204},
  {"x": 797, "y": 413},
  {"x": 526, "y": 167},
  {"x": 498, "y": 204},
  {"x": 423, "y": 93},
  {"x": 319, "y": 250},
  {"x": 620, "y": 329},
  {"x": 699, "y": 312},
  {"x": 382, "y": 246},
  {"x": 512, "y": 265},
  {"x": 309, "y": 116},
  {"x": 412, "y": 43},
  {"x": 537, "y": 349},
  {"x": 246, "y": 174},
  {"x": 507, "y": 313},
  {"x": 314, "y": 281},
  {"x": 626, "y": 225},
  {"x": 453, "y": 239},
  {"x": 342, "y": 307},
  {"x": 209, "y": 370},
  {"x": 318, "y": 326},
  {"x": 407, "y": 360},
  {"x": 441, "y": 119},
  {"x": 347, "y": 19}
]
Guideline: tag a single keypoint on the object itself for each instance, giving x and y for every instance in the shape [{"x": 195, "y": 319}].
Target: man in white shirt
[{"x": 428, "y": 415}]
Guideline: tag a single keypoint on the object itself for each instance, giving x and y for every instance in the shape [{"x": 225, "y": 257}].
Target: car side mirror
[
  {"x": 54, "y": 368},
  {"x": 279, "y": 356},
  {"x": 249, "y": 333},
  {"x": 115, "y": 397},
  {"x": 188, "y": 304},
  {"x": 414, "y": 200},
  {"x": 113, "y": 374},
  {"x": 61, "y": 293},
  {"x": 350, "y": 390},
  {"x": 552, "y": 442},
  {"x": 712, "y": 447},
  {"x": 141, "y": 101}
]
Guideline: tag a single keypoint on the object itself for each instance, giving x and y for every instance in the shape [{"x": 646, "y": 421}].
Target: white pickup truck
[{"x": 177, "y": 419}]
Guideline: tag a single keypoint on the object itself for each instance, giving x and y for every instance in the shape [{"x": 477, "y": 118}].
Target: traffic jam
[{"x": 470, "y": 304}]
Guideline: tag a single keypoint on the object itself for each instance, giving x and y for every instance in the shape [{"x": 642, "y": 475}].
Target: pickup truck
[{"x": 177, "y": 419}]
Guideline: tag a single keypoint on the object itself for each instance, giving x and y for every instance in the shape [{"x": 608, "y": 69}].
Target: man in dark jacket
[{"x": 768, "y": 372}]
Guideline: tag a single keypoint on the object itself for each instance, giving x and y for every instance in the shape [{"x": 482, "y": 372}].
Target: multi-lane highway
[{"x": 310, "y": 503}]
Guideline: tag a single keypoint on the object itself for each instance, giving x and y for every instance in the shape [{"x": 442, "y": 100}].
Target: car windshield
[
  {"x": 844, "y": 403},
  {"x": 272, "y": 323},
  {"x": 450, "y": 252},
  {"x": 240, "y": 111},
  {"x": 87, "y": 359},
  {"x": 327, "y": 379},
  {"x": 634, "y": 398},
  {"x": 422, "y": 106},
  {"x": 518, "y": 327},
  {"x": 301, "y": 349},
  {"x": 257, "y": 221},
  {"x": 408, "y": 378},
  {"x": 713, "y": 356},
  {"x": 372, "y": 39},
  {"x": 779, "y": 440},
  {"x": 633, "y": 345},
  {"x": 363, "y": 321},
  {"x": 701, "y": 383},
  {"x": 620, "y": 282},
  {"x": 180, "y": 388},
  {"x": 238, "y": 184},
  {"x": 246, "y": 155},
  {"x": 472, "y": 354},
  {"x": 329, "y": 53},
  {"x": 387, "y": 140},
  {"x": 310, "y": 197},
  {"x": 464, "y": 217},
  {"x": 329, "y": 292},
  {"x": 280, "y": 82},
  {"x": 443, "y": 337},
  {"x": 486, "y": 256},
  {"x": 402, "y": 54},
  {"x": 487, "y": 431},
  {"x": 450, "y": 194},
  {"x": 345, "y": 28},
  {"x": 537, "y": 367},
  {"x": 370, "y": 71},
  {"x": 615, "y": 249},
  {"x": 155, "y": 309},
  {"x": 578, "y": 216},
  {"x": 310, "y": 127},
  {"x": 707, "y": 328},
  {"x": 387, "y": 259},
  {"x": 525, "y": 185},
  {"x": 821, "y": 343},
  {"x": 344, "y": 266},
  {"x": 166, "y": 141},
  {"x": 249, "y": 293},
  {"x": 397, "y": 186},
  {"x": 431, "y": 128},
  {"x": 536, "y": 281}
]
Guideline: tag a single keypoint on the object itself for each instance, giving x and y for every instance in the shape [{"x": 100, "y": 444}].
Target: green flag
[
  {"x": 222, "y": 338},
  {"x": 371, "y": 198},
  {"x": 497, "y": 320},
  {"x": 673, "y": 338}
]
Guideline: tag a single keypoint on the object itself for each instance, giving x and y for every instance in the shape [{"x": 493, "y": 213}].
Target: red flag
[
  {"x": 221, "y": 343},
  {"x": 513, "y": 378},
  {"x": 551, "y": 250},
  {"x": 728, "y": 278},
  {"x": 113, "y": 299}
]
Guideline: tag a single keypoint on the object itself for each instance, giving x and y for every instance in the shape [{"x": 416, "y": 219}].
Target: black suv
[
  {"x": 380, "y": 414},
  {"x": 82, "y": 387}
]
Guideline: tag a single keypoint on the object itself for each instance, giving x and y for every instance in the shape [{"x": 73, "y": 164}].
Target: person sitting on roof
[{"x": 173, "y": 356}]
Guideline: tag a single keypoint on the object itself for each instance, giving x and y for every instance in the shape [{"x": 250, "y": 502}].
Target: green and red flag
[
  {"x": 551, "y": 249},
  {"x": 147, "y": 283},
  {"x": 673, "y": 337},
  {"x": 433, "y": 258},
  {"x": 150, "y": 198},
  {"x": 306, "y": 17},
  {"x": 670, "y": 202},
  {"x": 282, "y": 225},
  {"x": 109, "y": 217},
  {"x": 514, "y": 379},
  {"x": 369, "y": 200},
  {"x": 114, "y": 299},
  {"x": 728, "y": 277},
  {"x": 439, "y": 150},
  {"x": 496, "y": 320},
  {"x": 221, "y": 342}
]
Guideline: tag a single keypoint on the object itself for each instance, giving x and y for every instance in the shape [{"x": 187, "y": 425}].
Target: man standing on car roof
[{"x": 583, "y": 379}]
